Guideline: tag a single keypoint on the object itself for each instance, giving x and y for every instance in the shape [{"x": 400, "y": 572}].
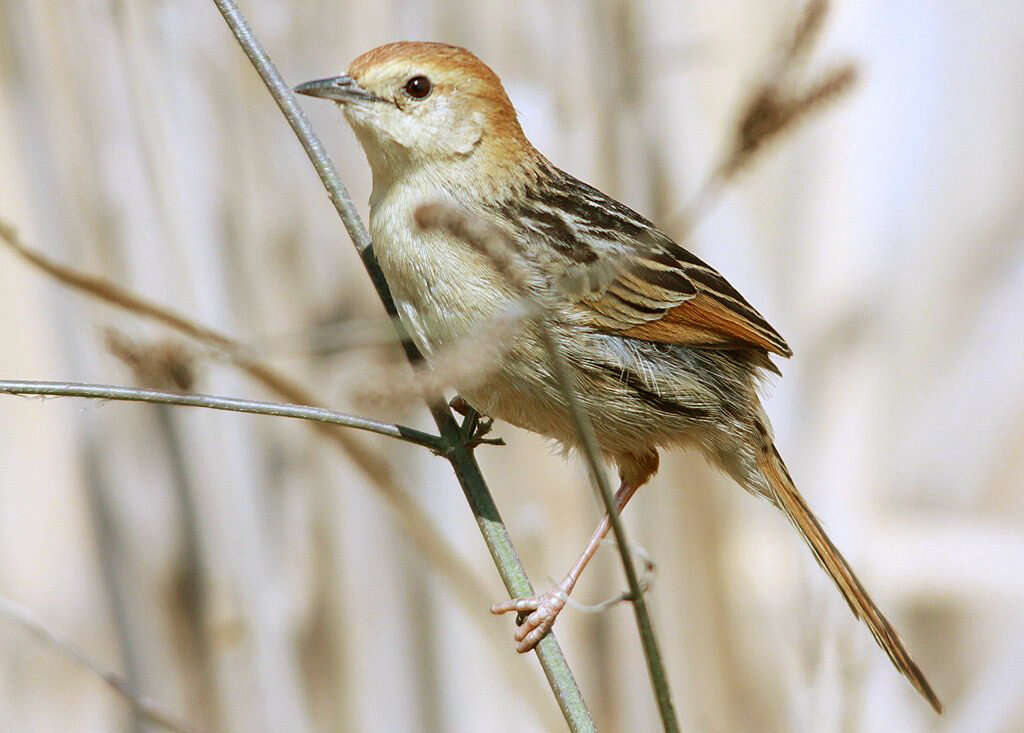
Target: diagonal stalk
[
  {"x": 458, "y": 453},
  {"x": 496, "y": 246}
]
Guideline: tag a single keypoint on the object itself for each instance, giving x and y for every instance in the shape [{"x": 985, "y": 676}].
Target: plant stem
[
  {"x": 592, "y": 453},
  {"x": 494, "y": 532},
  {"x": 231, "y": 404},
  {"x": 496, "y": 246},
  {"x": 147, "y": 709}
]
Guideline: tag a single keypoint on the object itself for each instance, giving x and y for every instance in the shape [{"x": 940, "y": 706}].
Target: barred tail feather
[{"x": 792, "y": 503}]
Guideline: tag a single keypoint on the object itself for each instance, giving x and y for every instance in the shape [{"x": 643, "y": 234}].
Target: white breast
[
  {"x": 448, "y": 293},
  {"x": 443, "y": 289}
]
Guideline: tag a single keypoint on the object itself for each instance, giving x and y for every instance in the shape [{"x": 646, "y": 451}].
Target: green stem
[
  {"x": 230, "y": 404},
  {"x": 592, "y": 453},
  {"x": 495, "y": 535}
]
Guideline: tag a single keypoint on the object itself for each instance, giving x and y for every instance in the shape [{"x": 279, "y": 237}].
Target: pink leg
[{"x": 544, "y": 609}]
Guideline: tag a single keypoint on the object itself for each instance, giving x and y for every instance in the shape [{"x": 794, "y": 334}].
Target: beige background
[{"x": 242, "y": 572}]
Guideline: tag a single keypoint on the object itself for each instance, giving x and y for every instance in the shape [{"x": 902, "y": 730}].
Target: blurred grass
[{"x": 883, "y": 239}]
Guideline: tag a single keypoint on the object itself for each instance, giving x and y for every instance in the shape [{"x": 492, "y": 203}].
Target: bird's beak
[{"x": 337, "y": 88}]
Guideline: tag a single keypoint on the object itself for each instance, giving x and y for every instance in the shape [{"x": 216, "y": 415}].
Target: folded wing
[{"x": 661, "y": 292}]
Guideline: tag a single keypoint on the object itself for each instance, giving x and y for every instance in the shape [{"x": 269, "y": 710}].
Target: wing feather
[
  {"x": 673, "y": 297},
  {"x": 630, "y": 278}
]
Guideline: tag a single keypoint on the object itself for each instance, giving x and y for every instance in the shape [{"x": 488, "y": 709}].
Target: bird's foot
[
  {"x": 535, "y": 616},
  {"x": 460, "y": 406},
  {"x": 475, "y": 426}
]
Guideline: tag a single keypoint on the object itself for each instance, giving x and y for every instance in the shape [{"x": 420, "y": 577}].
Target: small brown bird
[{"x": 665, "y": 351}]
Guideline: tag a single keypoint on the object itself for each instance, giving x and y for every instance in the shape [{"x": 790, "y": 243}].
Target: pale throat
[{"x": 466, "y": 178}]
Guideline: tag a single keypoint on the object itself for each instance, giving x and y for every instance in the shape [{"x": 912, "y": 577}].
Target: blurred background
[{"x": 252, "y": 575}]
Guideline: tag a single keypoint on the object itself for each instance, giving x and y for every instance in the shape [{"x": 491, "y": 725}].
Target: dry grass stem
[
  {"x": 496, "y": 246},
  {"x": 778, "y": 102},
  {"x": 468, "y": 361},
  {"x": 807, "y": 29},
  {"x": 214, "y": 402},
  {"x": 419, "y": 527},
  {"x": 146, "y": 708},
  {"x": 114, "y": 295},
  {"x": 774, "y": 107},
  {"x": 326, "y": 339},
  {"x": 164, "y": 364},
  {"x": 369, "y": 461},
  {"x": 460, "y": 453},
  {"x": 771, "y": 111},
  {"x": 648, "y": 570},
  {"x": 828, "y": 87}
]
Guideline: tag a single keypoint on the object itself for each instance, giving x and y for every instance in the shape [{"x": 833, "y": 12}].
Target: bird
[{"x": 665, "y": 352}]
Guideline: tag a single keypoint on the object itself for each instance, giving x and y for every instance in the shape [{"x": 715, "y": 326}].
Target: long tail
[{"x": 793, "y": 504}]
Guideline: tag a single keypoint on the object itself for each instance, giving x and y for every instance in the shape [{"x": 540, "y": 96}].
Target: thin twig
[
  {"x": 113, "y": 294},
  {"x": 289, "y": 105},
  {"x": 807, "y": 29},
  {"x": 494, "y": 244},
  {"x": 464, "y": 583},
  {"x": 164, "y": 364},
  {"x": 321, "y": 339},
  {"x": 646, "y": 579},
  {"x": 466, "y": 362},
  {"x": 420, "y": 528},
  {"x": 592, "y": 453},
  {"x": 123, "y": 298},
  {"x": 212, "y": 402},
  {"x": 460, "y": 454},
  {"x": 146, "y": 708}
]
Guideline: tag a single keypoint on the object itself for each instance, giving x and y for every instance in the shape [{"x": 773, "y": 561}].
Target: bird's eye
[{"x": 419, "y": 87}]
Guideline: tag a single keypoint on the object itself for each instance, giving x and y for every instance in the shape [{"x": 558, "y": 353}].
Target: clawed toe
[
  {"x": 540, "y": 613},
  {"x": 475, "y": 426}
]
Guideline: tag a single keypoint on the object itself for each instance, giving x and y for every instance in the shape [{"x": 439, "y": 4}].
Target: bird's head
[{"x": 414, "y": 105}]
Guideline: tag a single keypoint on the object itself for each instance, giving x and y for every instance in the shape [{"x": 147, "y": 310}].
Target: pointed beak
[{"x": 338, "y": 89}]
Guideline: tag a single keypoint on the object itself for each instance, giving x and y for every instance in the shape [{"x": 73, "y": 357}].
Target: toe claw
[
  {"x": 532, "y": 639},
  {"x": 521, "y": 631},
  {"x": 519, "y": 605},
  {"x": 542, "y": 611}
]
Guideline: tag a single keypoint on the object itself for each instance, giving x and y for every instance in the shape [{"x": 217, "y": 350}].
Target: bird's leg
[{"x": 541, "y": 611}]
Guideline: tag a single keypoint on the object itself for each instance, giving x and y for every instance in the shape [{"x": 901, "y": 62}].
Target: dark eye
[{"x": 418, "y": 87}]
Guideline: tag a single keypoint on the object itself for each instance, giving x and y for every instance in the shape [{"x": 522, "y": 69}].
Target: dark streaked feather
[{"x": 657, "y": 290}]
